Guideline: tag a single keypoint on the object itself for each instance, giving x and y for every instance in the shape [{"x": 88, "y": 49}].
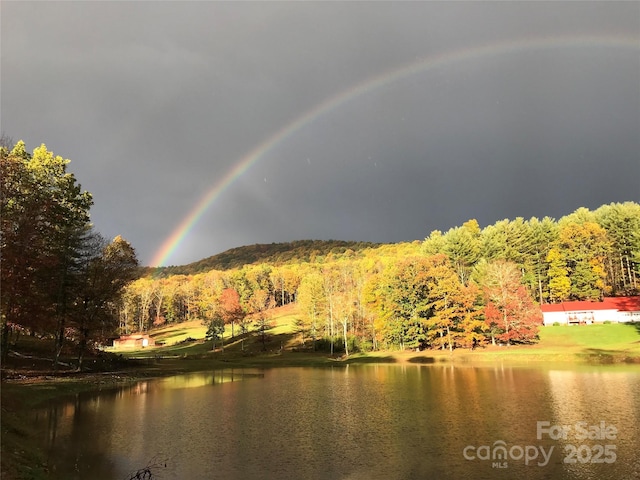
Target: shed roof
[{"x": 134, "y": 336}]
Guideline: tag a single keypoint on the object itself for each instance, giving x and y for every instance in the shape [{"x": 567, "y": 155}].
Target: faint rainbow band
[{"x": 171, "y": 244}]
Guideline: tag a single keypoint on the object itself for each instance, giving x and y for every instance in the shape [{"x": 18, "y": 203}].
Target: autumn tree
[
  {"x": 228, "y": 311},
  {"x": 144, "y": 298},
  {"x": 285, "y": 280},
  {"x": 362, "y": 327},
  {"x": 331, "y": 292},
  {"x": 312, "y": 302},
  {"x": 175, "y": 306},
  {"x": 375, "y": 309},
  {"x": 160, "y": 294},
  {"x": 238, "y": 281},
  {"x": 345, "y": 304},
  {"x": 443, "y": 286},
  {"x": 510, "y": 313},
  {"x": 260, "y": 303},
  {"x": 190, "y": 293},
  {"x": 258, "y": 277},
  {"x": 452, "y": 317},
  {"x": 126, "y": 307},
  {"x": 211, "y": 287},
  {"x": 558, "y": 275},
  {"x": 230, "y": 308},
  {"x": 583, "y": 248},
  {"x": 471, "y": 327}
]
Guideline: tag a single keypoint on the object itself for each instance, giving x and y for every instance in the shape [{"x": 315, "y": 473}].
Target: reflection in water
[
  {"x": 589, "y": 402},
  {"x": 351, "y": 422}
]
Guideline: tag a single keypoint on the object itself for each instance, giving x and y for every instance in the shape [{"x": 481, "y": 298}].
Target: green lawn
[
  {"x": 596, "y": 344},
  {"x": 615, "y": 336}
]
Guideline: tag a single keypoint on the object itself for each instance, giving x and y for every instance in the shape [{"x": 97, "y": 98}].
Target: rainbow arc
[{"x": 173, "y": 241}]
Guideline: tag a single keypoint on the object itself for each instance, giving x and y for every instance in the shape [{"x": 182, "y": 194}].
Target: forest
[
  {"x": 463, "y": 288},
  {"x": 60, "y": 278}
]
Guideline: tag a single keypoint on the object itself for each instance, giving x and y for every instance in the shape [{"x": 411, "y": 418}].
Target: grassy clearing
[
  {"x": 601, "y": 343},
  {"x": 591, "y": 344},
  {"x": 188, "y": 339},
  {"x": 600, "y": 336},
  {"x": 174, "y": 334}
]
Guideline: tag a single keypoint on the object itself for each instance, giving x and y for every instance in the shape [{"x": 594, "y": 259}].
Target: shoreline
[{"x": 153, "y": 366}]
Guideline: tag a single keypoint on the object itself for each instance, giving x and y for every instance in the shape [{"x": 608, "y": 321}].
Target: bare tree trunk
[
  {"x": 282, "y": 290},
  {"x": 331, "y": 330},
  {"x": 59, "y": 343},
  {"x": 344, "y": 334},
  {"x": 631, "y": 277},
  {"x": 539, "y": 281}
]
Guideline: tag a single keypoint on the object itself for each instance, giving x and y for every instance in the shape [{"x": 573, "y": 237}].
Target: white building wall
[
  {"x": 595, "y": 316},
  {"x": 604, "y": 315},
  {"x": 549, "y": 318},
  {"x": 624, "y": 317}
]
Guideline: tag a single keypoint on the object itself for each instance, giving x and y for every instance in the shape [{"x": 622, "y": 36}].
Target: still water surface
[{"x": 363, "y": 422}]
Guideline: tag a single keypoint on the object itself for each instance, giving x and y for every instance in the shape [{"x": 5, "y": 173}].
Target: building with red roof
[
  {"x": 138, "y": 340},
  {"x": 613, "y": 309}
]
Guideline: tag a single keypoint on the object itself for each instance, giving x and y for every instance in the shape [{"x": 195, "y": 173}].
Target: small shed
[{"x": 136, "y": 340}]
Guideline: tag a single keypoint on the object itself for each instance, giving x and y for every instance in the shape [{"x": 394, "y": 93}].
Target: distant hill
[{"x": 272, "y": 253}]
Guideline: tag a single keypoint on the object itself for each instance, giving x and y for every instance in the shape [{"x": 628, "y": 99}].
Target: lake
[{"x": 364, "y": 422}]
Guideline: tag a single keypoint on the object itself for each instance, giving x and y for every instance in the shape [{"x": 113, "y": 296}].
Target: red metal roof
[{"x": 623, "y": 304}]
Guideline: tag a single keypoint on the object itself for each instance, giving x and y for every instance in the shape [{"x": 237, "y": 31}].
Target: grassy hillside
[
  {"x": 601, "y": 343},
  {"x": 188, "y": 338}
]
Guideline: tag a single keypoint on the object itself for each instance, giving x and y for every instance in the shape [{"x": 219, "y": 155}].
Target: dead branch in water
[{"x": 147, "y": 473}]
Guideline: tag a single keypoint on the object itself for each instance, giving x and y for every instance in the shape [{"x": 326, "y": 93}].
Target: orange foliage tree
[
  {"x": 510, "y": 313},
  {"x": 230, "y": 308}
]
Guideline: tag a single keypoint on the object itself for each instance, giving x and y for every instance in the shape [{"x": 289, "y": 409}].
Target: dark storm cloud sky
[{"x": 155, "y": 102}]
